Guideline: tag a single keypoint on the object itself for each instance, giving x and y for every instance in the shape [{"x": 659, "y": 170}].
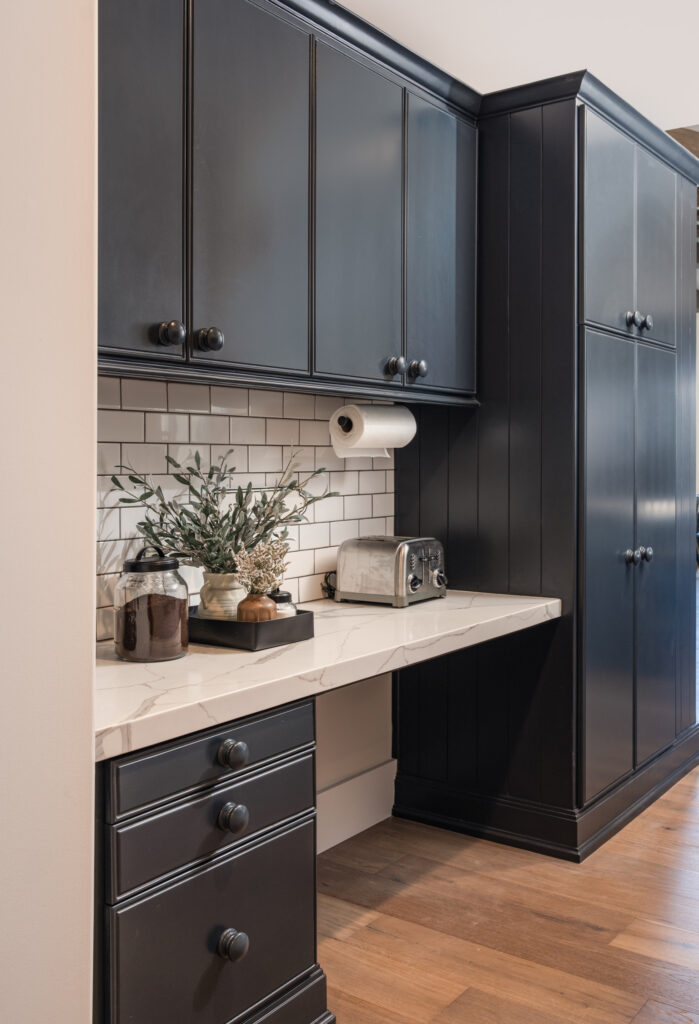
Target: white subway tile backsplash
[
  {"x": 247, "y": 430},
  {"x": 113, "y": 425},
  {"x": 149, "y": 395},
  {"x": 266, "y": 403},
  {"x": 142, "y": 421},
  {"x": 188, "y": 398},
  {"x": 390, "y": 481},
  {"x": 163, "y": 426}
]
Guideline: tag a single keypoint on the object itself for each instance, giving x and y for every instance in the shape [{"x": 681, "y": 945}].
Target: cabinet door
[
  {"x": 250, "y": 185},
  {"x": 141, "y": 161},
  {"x": 656, "y": 240},
  {"x": 608, "y": 224},
  {"x": 358, "y": 218},
  {"x": 608, "y": 525},
  {"x": 441, "y": 240},
  {"x": 655, "y": 529}
]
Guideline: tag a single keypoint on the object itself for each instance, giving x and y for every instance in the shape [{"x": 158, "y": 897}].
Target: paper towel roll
[{"x": 357, "y": 430}]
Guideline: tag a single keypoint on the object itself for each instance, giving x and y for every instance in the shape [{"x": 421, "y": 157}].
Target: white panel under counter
[{"x": 137, "y": 705}]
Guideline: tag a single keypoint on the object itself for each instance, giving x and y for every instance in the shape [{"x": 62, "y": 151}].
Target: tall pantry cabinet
[{"x": 582, "y": 463}]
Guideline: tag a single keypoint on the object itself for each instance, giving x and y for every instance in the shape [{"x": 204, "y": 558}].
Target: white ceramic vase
[{"x": 220, "y": 596}]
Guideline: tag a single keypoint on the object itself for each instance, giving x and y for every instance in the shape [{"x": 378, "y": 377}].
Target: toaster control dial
[
  {"x": 440, "y": 579},
  {"x": 414, "y": 583}
]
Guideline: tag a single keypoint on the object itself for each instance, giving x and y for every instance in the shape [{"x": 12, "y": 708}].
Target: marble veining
[{"x": 138, "y": 705}]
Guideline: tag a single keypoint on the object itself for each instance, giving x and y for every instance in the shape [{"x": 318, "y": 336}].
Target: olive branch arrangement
[{"x": 211, "y": 529}]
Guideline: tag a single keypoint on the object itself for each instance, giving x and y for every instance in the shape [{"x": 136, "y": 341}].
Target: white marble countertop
[{"x": 137, "y": 705}]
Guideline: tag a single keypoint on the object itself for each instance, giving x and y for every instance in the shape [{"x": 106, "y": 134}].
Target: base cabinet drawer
[{"x": 165, "y": 963}]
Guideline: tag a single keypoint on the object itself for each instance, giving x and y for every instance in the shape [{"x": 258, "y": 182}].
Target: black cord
[{"x": 327, "y": 587}]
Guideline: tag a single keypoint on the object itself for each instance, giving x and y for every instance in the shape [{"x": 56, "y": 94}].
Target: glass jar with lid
[
  {"x": 150, "y": 608},
  {"x": 285, "y": 606}
]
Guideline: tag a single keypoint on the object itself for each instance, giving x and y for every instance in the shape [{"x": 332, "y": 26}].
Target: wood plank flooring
[{"x": 419, "y": 925}]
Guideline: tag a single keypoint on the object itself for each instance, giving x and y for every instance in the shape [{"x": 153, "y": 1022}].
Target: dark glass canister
[{"x": 150, "y": 608}]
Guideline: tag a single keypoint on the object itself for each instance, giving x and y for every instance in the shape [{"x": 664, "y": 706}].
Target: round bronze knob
[
  {"x": 233, "y": 945},
  {"x": 396, "y": 364},
  {"x": 233, "y": 754},
  {"x": 210, "y": 339},
  {"x": 418, "y": 368},
  {"x": 172, "y": 333},
  {"x": 233, "y": 818}
]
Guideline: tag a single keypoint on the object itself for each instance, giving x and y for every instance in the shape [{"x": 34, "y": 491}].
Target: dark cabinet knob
[
  {"x": 418, "y": 368},
  {"x": 647, "y": 322},
  {"x": 632, "y": 557},
  {"x": 233, "y": 754},
  {"x": 172, "y": 333},
  {"x": 634, "y": 319},
  {"x": 233, "y": 945},
  {"x": 234, "y": 818},
  {"x": 396, "y": 364},
  {"x": 646, "y": 554},
  {"x": 210, "y": 339}
]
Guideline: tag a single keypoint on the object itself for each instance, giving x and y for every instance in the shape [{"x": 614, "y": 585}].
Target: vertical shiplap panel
[{"x": 462, "y": 534}]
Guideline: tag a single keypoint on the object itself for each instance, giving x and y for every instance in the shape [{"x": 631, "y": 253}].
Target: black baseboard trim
[{"x": 565, "y": 833}]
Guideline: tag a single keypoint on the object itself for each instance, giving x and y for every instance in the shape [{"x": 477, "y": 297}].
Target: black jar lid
[
  {"x": 159, "y": 563},
  {"x": 281, "y": 596}
]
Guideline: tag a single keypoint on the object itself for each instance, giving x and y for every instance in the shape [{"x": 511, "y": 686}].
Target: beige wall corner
[{"x": 47, "y": 418}]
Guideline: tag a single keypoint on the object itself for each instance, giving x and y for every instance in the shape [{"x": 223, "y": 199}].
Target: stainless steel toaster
[{"x": 390, "y": 570}]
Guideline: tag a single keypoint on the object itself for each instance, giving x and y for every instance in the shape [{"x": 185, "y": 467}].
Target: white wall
[
  {"x": 47, "y": 422},
  {"x": 644, "y": 50}
]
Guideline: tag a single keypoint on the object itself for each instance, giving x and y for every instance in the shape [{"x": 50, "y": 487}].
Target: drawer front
[
  {"x": 164, "y": 960},
  {"x": 139, "y": 781},
  {"x": 142, "y": 850}
]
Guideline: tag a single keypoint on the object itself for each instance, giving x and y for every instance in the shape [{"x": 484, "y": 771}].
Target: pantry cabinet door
[
  {"x": 141, "y": 168},
  {"x": 656, "y": 240},
  {"x": 250, "y": 220}
]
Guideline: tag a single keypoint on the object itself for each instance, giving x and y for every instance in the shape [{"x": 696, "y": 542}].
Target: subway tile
[
  {"x": 284, "y": 432},
  {"x": 208, "y": 429},
  {"x": 344, "y": 483},
  {"x": 229, "y": 401},
  {"x": 301, "y": 563},
  {"x": 266, "y": 403},
  {"x": 329, "y": 510},
  {"x": 293, "y": 587},
  {"x": 144, "y": 458},
  {"x": 304, "y": 459},
  {"x": 188, "y": 398},
  {"x": 382, "y": 504},
  {"x": 184, "y": 454},
  {"x": 107, "y": 495},
  {"x": 390, "y": 526},
  {"x": 358, "y": 506},
  {"x": 265, "y": 458},
  {"x": 385, "y": 462},
  {"x": 317, "y": 485},
  {"x": 108, "y": 458},
  {"x": 164, "y": 426},
  {"x": 299, "y": 407},
  {"x": 343, "y": 531},
  {"x": 390, "y": 480},
  {"x": 310, "y": 588},
  {"x": 258, "y": 480},
  {"x": 372, "y": 481},
  {"x": 327, "y": 459},
  {"x": 372, "y": 527},
  {"x": 105, "y": 590},
  {"x": 358, "y": 462},
  {"x": 112, "y": 553},
  {"x": 131, "y": 515},
  {"x": 105, "y": 623},
  {"x": 292, "y": 538},
  {"x": 314, "y": 535},
  {"x": 326, "y": 559},
  {"x": 108, "y": 524},
  {"x": 236, "y": 455},
  {"x": 119, "y": 426},
  {"x": 314, "y": 432},
  {"x": 326, "y": 406},
  {"x": 193, "y": 576},
  {"x": 150, "y": 395},
  {"x": 109, "y": 393},
  {"x": 246, "y": 430}
]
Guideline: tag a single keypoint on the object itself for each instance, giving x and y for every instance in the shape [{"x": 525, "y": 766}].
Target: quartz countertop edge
[{"x": 137, "y": 705}]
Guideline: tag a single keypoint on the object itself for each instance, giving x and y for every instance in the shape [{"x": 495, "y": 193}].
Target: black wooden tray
[{"x": 250, "y": 636}]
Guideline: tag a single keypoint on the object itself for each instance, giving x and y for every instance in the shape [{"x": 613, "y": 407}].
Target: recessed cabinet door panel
[
  {"x": 250, "y": 202},
  {"x": 608, "y": 508},
  {"x": 141, "y": 161},
  {"x": 657, "y": 246},
  {"x": 441, "y": 238},
  {"x": 164, "y": 960},
  {"x": 608, "y": 224},
  {"x": 655, "y": 529},
  {"x": 358, "y": 218}
]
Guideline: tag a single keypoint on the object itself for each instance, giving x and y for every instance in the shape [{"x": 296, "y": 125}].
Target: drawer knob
[
  {"x": 647, "y": 322},
  {"x": 233, "y": 945},
  {"x": 396, "y": 364},
  {"x": 210, "y": 339},
  {"x": 233, "y": 754},
  {"x": 634, "y": 319},
  {"x": 418, "y": 368},
  {"x": 234, "y": 818},
  {"x": 172, "y": 333}
]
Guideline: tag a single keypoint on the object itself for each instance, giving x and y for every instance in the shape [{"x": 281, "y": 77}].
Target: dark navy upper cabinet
[
  {"x": 630, "y": 235},
  {"x": 141, "y": 176},
  {"x": 250, "y": 123},
  {"x": 359, "y": 132},
  {"x": 441, "y": 248}
]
